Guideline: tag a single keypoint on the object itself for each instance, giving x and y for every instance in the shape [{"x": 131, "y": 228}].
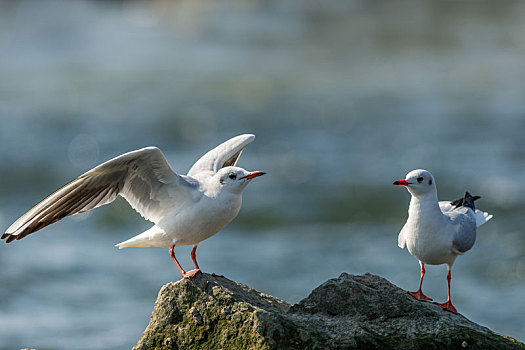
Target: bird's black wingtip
[{"x": 9, "y": 237}]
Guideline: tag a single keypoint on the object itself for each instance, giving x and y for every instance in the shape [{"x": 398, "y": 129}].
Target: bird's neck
[
  {"x": 215, "y": 190},
  {"x": 425, "y": 205}
]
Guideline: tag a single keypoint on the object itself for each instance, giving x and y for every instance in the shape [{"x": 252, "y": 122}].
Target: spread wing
[
  {"x": 225, "y": 154},
  {"x": 143, "y": 177}
]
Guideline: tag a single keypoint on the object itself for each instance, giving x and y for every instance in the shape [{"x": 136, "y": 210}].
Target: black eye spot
[
  {"x": 420, "y": 179},
  {"x": 232, "y": 176},
  {"x": 430, "y": 182}
]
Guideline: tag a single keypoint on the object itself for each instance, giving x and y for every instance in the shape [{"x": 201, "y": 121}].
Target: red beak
[
  {"x": 253, "y": 174},
  {"x": 402, "y": 183}
]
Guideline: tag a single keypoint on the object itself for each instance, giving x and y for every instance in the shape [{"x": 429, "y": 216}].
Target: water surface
[{"x": 344, "y": 97}]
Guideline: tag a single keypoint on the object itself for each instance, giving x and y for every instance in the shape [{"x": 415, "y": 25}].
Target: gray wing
[
  {"x": 463, "y": 226},
  {"x": 143, "y": 177},
  {"x": 481, "y": 216},
  {"x": 225, "y": 154}
]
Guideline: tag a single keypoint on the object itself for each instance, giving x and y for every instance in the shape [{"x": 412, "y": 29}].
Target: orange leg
[
  {"x": 447, "y": 305},
  {"x": 189, "y": 274},
  {"x": 193, "y": 257},
  {"x": 419, "y": 293}
]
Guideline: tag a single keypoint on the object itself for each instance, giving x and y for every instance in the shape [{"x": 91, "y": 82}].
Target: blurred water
[{"x": 344, "y": 96}]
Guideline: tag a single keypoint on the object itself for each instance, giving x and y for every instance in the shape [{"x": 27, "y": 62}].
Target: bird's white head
[
  {"x": 418, "y": 182},
  {"x": 235, "y": 179}
]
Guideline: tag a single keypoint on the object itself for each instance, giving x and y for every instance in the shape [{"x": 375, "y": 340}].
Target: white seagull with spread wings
[
  {"x": 437, "y": 232},
  {"x": 185, "y": 209}
]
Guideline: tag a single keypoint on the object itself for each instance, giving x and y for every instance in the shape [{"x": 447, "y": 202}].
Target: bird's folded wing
[
  {"x": 225, "y": 154},
  {"x": 463, "y": 225},
  {"x": 446, "y": 206},
  {"x": 143, "y": 177},
  {"x": 481, "y": 216}
]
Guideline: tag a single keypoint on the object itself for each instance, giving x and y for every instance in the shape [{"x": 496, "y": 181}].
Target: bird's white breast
[
  {"x": 201, "y": 219},
  {"x": 427, "y": 235}
]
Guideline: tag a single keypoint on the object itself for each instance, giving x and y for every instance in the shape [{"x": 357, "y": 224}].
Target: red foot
[
  {"x": 420, "y": 296},
  {"x": 215, "y": 275},
  {"x": 191, "y": 274},
  {"x": 448, "y": 306}
]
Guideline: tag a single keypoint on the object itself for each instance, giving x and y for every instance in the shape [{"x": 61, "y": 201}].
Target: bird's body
[
  {"x": 188, "y": 228},
  {"x": 186, "y": 209},
  {"x": 437, "y": 232},
  {"x": 185, "y": 225}
]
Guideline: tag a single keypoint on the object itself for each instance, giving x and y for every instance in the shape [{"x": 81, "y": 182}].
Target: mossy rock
[{"x": 349, "y": 312}]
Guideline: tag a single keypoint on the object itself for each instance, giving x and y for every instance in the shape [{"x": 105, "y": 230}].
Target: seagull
[
  {"x": 185, "y": 209},
  {"x": 437, "y": 232}
]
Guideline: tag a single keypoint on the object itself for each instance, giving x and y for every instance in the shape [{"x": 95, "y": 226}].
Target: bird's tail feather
[
  {"x": 154, "y": 237},
  {"x": 482, "y": 217}
]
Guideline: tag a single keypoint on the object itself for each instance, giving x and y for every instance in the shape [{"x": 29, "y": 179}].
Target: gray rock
[{"x": 349, "y": 312}]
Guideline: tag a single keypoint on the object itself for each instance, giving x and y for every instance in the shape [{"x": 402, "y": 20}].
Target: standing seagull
[
  {"x": 437, "y": 232},
  {"x": 185, "y": 209}
]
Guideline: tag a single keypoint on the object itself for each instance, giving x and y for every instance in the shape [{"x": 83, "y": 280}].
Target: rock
[{"x": 349, "y": 312}]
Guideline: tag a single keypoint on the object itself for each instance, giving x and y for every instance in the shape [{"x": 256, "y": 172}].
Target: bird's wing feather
[
  {"x": 143, "y": 177},
  {"x": 463, "y": 225},
  {"x": 480, "y": 216},
  {"x": 446, "y": 206},
  {"x": 225, "y": 154}
]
